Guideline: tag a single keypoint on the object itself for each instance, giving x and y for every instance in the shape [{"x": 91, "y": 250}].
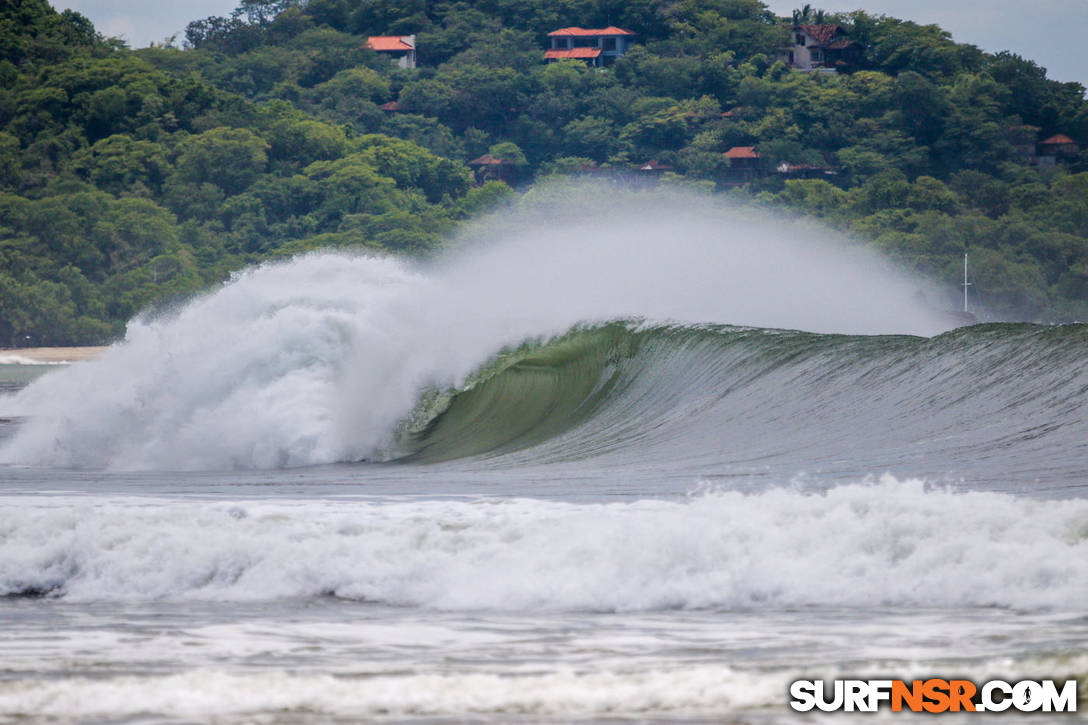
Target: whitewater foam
[
  {"x": 887, "y": 543},
  {"x": 707, "y": 692},
  {"x": 14, "y": 359},
  {"x": 205, "y": 693}
]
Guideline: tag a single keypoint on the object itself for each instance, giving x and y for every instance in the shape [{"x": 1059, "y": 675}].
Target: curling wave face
[{"x": 706, "y": 398}]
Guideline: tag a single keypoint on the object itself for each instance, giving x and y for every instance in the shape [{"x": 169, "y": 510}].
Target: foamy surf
[
  {"x": 890, "y": 543},
  {"x": 539, "y": 692},
  {"x": 567, "y": 693}
]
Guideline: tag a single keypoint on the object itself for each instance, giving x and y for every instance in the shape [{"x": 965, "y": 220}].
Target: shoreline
[{"x": 48, "y": 355}]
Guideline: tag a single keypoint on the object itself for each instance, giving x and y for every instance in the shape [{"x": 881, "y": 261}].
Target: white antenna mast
[{"x": 966, "y": 284}]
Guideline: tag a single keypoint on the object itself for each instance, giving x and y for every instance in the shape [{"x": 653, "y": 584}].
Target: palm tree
[{"x": 807, "y": 16}]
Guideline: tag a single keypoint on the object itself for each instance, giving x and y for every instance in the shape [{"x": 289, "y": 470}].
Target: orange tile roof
[
  {"x": 742, "y": 152},
  {"x": 575, "y": 30},
  {"x": 580, "y": 53},
  {"x": 391, "y": 107},
  {"x": 1060, "y": 139},
  {"x": 487, "y": 160},
  {"x": 388, "y": 43}
]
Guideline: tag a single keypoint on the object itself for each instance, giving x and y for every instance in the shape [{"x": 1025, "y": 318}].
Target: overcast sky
[{"x": 1053, "y": 33}]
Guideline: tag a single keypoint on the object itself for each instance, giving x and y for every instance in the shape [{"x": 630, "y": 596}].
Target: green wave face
[
  {"x": 999, "y": 401},
  {"x": 522, "y": 398}
]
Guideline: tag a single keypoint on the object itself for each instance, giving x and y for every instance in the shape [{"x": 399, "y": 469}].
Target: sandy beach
[{"x": 47, "y": 355}]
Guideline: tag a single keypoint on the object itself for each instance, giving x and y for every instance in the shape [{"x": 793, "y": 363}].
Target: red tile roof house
[
  {"x": 1059, "y": 145},
  {"x": 491, "y": 168},
  {"x": 744, "y": 164},
  {"x": 743, "y": 156},
  {"x": 598, "y": 47},
  {"x": 823, "y": 47},
  {"x": 400, "y": 47}
]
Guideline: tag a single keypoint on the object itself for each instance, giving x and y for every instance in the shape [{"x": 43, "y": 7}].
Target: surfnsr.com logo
[{"x": 933, "y": 696}]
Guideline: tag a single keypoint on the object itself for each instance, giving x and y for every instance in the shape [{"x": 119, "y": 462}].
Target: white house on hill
[{"x": 817, "y": 47}]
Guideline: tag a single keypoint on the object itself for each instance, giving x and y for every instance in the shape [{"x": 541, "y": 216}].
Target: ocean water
[{"x": 625, "y": 471}]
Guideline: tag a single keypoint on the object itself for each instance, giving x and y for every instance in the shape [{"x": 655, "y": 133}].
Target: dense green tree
[
  {"x": 301, "y": 142},
  {"x": 132, "y": 177},
  {"x": 230, "y": 158},
  {"x": 122, "y": 164}
]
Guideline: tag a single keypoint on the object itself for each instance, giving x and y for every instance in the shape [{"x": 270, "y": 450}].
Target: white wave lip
[
  {"x": 316, "y": 360},
  {"x": 888, "y": 543}
]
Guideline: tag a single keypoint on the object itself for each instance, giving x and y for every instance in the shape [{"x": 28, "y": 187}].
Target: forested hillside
[{"x": 129, "y": 178}]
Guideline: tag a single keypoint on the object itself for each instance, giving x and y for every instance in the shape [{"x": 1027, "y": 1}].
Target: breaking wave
[{"x": 603, "y": 338}]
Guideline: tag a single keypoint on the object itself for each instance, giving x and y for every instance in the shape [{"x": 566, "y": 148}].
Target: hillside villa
[
  {"x": 823, "y": 48},
  {"x": 1025, "y": 143},
  {"x": 1059, "y": 145},
  {"x": 599, "y": 48},
  {"x": 401, "y": 48},
  {"x": 492, "y": 168},
  {"x": 744, "y": 164}
]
